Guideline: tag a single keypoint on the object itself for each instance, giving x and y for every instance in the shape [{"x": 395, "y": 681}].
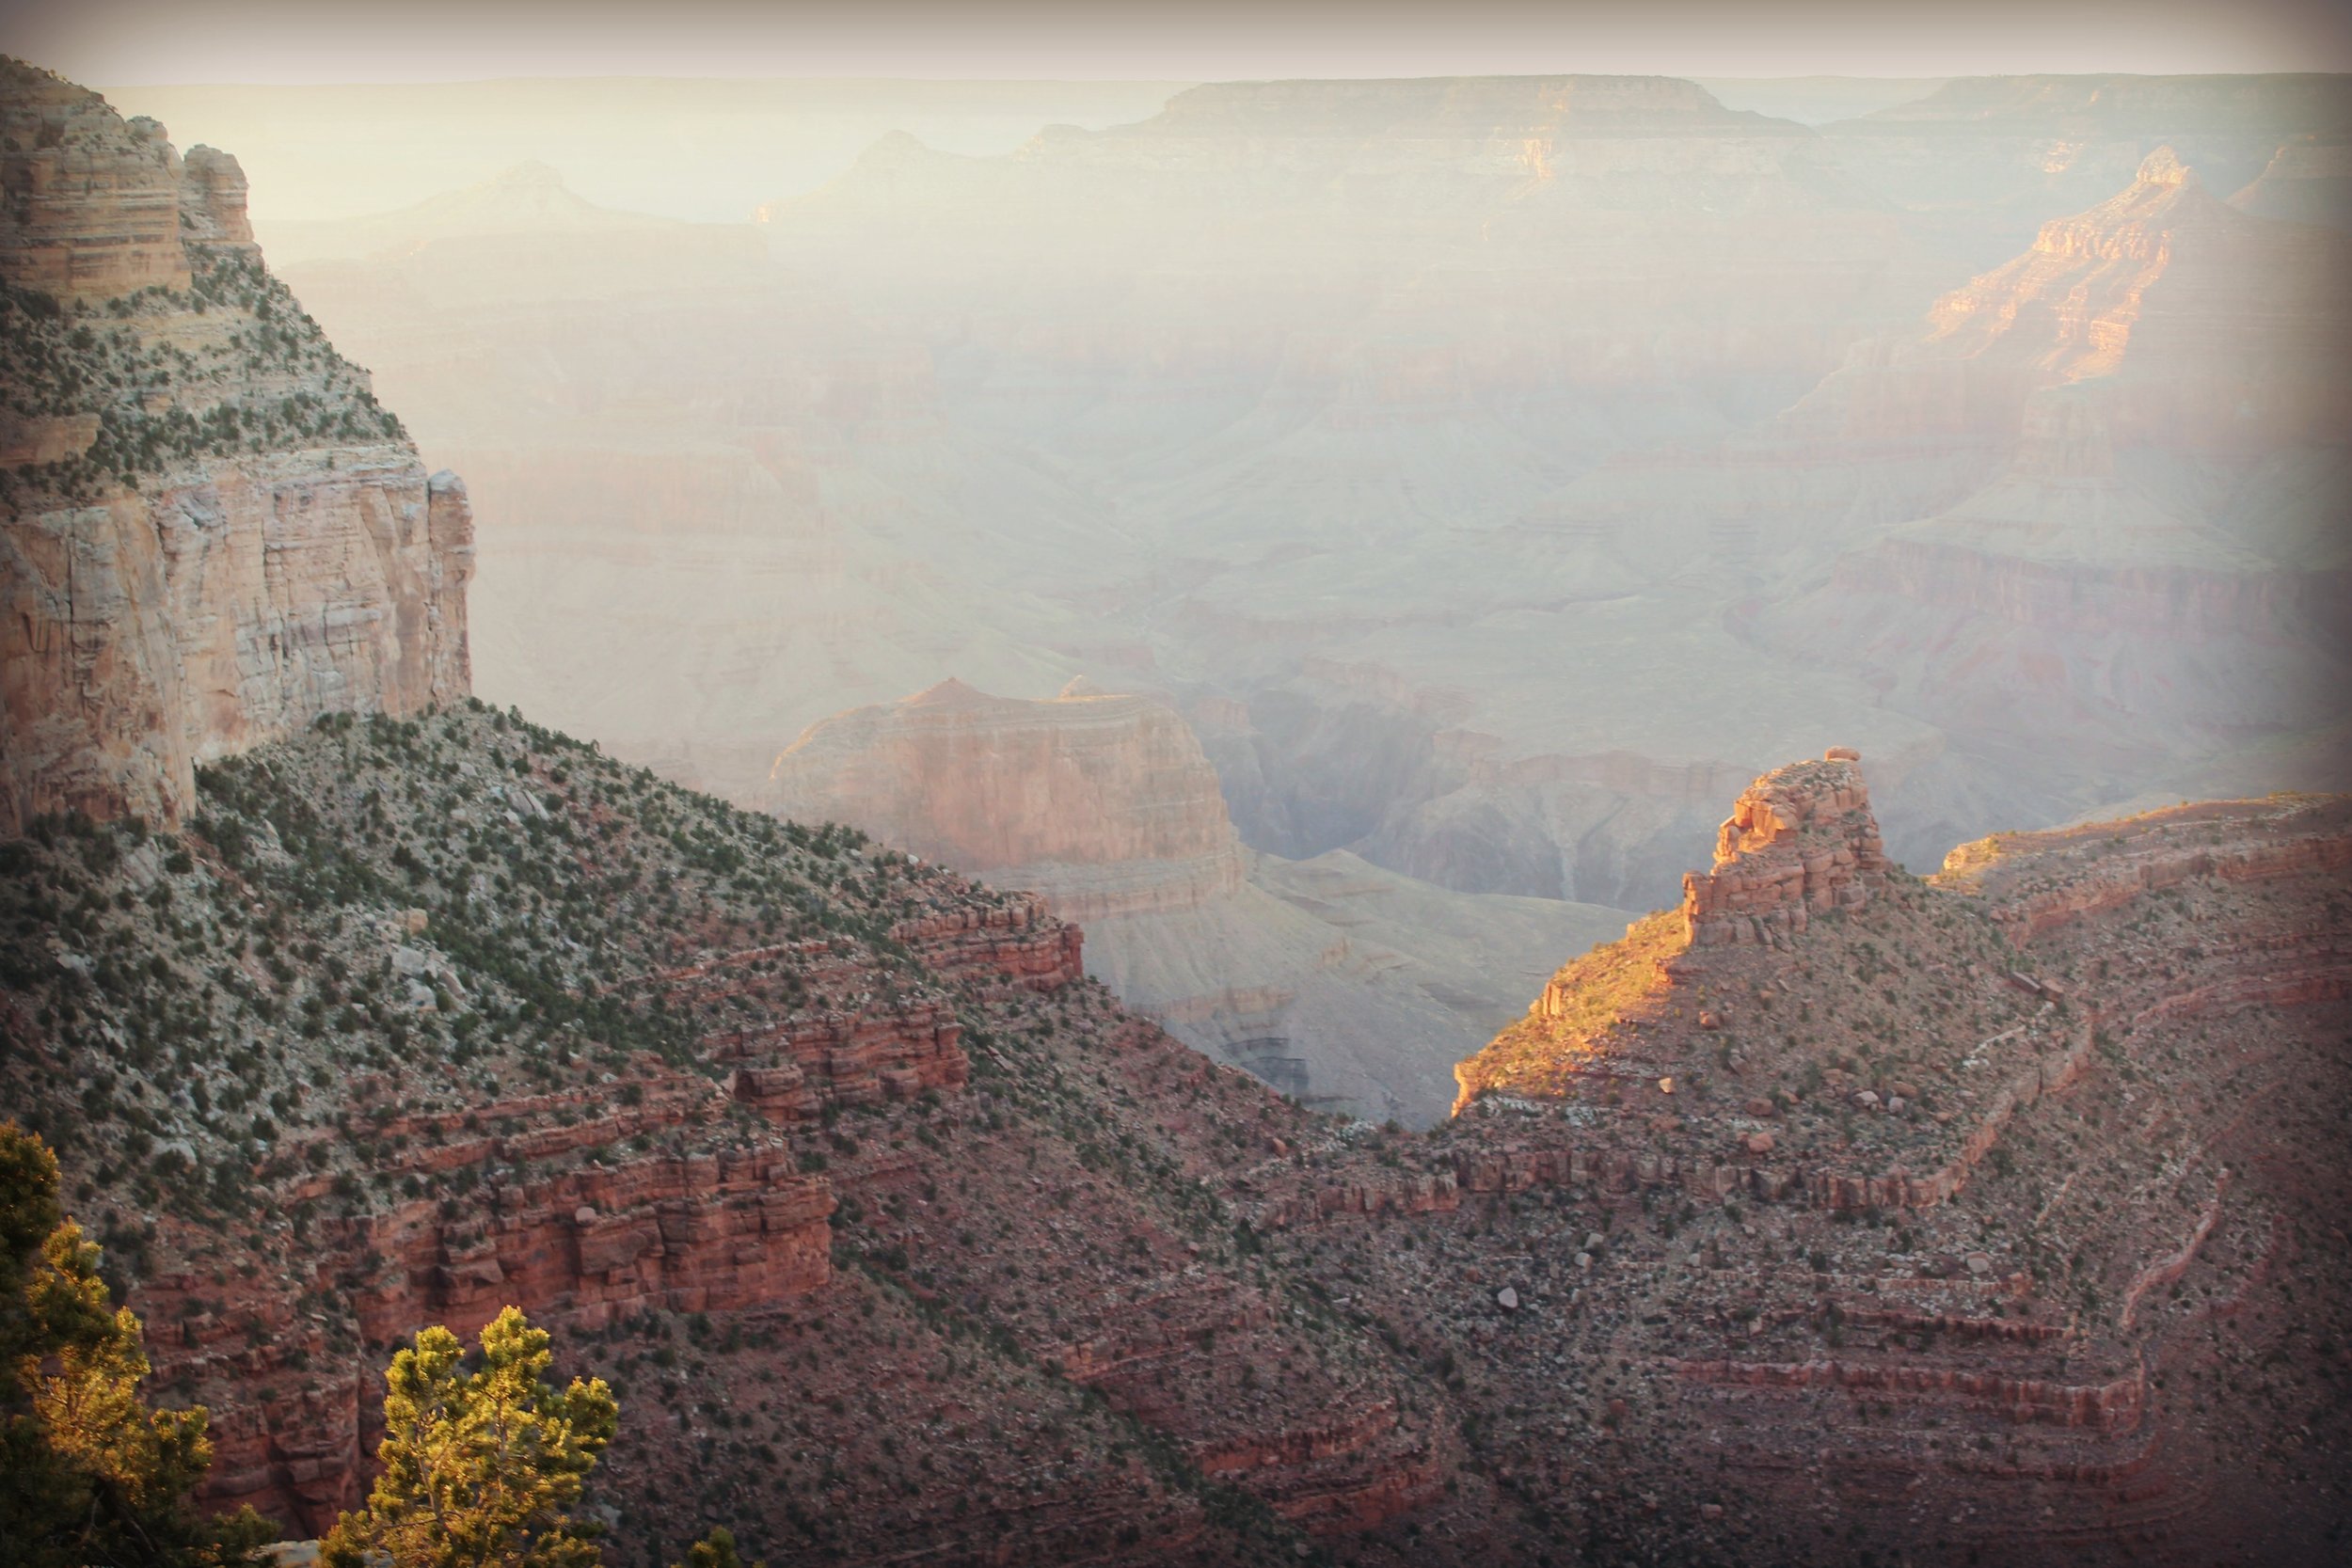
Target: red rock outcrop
[
  {"x": 2123, "y": 862},
  {"x": 1799, "y": 842},
  {"x": 1020, "y": 946},
  {"x": 583, "y": 1246}
]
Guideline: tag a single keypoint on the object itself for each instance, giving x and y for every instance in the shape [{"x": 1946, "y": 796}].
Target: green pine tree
[
  {"x": 481, "y": 1470},
  {"x": 89, "y": 1477}
]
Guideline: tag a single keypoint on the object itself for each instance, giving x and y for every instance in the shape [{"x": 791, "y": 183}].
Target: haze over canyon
[
  {"x": 1507, "y": 819},
  {"x": 1492, "y": 474}
]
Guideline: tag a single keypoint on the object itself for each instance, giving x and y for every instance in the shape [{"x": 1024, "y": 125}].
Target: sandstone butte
[
  {"x": 212, "y": 534},
  {"x": 1993, "y": 1217}
]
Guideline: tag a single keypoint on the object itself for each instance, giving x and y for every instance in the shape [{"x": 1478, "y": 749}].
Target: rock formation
[
  {"x": 1966, "y": 1166},
  {"x": 213, "y": 534},
  {"x": 1344, "y": 985},
  {"x": 93, "y": 202},
  {"x": 1101, "y": 802},
  {"x": 1799, "y": 842}
]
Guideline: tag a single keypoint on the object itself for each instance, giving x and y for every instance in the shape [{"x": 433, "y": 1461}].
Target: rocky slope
[
  {"x": 1995, "y": 1212},
  {"x": 778, "y": 1128},
  {"x": 1348, "y": 987},
  {"x": 213, "y": 534},
  {"x": 1986, "y": 1209}
]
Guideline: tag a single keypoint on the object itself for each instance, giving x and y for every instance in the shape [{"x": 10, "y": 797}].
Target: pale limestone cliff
[
  {"x": 212, "y": 534},
  {"x": 89, "y": 205}
]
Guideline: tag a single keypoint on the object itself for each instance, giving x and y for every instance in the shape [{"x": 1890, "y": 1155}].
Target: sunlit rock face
[
  {"x": 2010, "y": 152},
  {"x": 2148, "y": 572},
  {"x": 213, "y": 534},
  {"x": 1799, "y": 842},
  {"x": 1334, "y": 979}
]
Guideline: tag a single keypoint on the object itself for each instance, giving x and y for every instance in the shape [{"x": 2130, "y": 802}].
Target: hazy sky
[{"x": 122, "y": 41}]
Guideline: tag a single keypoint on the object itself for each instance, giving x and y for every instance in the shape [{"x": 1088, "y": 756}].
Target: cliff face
[
  {"x": 92, "y": 204},
  {"x": 213, "y": 534}
]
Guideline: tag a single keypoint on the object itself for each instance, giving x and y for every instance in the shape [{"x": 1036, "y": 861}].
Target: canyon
[
  {"x": 1832, "y": 1213},
  {"x": 1353, "y": 988},
  {"x": 1495, "y": 474},
  {"x": 897, "y": 1234}
]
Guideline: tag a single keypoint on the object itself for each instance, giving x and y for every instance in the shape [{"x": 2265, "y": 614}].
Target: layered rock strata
[
  {"x": 213, "y": 534},
  {"x": 1799, "y": 842},
  {"x": 2036, "y": 1347},
  {"x": 1351, "y": 987}
]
